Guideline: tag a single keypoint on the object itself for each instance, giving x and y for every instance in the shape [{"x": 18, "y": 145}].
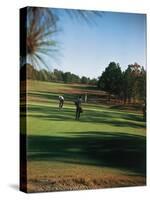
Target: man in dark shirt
[{"x": 78, "y": 107}]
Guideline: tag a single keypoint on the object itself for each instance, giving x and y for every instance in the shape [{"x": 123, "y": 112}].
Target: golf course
[{"x": 105, "y": 148}]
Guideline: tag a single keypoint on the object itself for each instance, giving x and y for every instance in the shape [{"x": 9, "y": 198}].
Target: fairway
[{"x": 105, "y": 148}]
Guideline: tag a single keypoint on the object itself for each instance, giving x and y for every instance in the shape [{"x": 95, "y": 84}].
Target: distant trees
[
  {"x": 29, "y": 72},
  {"x": 93, "y": 81},
  {"x": 75, "y": 78},
  {"x": 67, "y": 77},
  {"x": 87, "y": 80},
  {"x": 127, "y": 86},
  {"x": 84, "y": 80},
  {"x": 59, "y": 75}
]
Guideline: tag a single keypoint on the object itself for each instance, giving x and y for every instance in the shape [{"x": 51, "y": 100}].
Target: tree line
[
  {"x": 29, "y": 72},
  {"x": 128, "y": 86}
]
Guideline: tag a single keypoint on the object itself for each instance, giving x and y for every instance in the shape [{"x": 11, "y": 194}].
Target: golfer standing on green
[
  {"x": 78, "y": 107},
  {"x": 61, "y": 102}
]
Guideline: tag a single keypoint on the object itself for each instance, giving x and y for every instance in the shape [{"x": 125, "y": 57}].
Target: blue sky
[{"x": 88, "y": 49}]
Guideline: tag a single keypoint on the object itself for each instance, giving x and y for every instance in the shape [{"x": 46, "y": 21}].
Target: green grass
[{"x": 106, "y": 140}]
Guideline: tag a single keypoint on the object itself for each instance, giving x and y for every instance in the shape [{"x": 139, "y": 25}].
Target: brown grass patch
[{"x": 58, "y": 177}]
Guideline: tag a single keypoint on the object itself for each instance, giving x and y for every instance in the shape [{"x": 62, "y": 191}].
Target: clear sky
[{"x": 86, "y": 49}]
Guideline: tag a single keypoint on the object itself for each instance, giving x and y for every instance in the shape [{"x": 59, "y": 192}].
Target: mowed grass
[{"x": 106, "y": 148}]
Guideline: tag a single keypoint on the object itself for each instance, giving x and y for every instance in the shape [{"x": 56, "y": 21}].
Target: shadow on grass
[
  {"x": 118, "y": 150},
  {"x": 92, "y": 116},
  {"x": 127, "y": 107},
  {"x": 85, "y": 87}
]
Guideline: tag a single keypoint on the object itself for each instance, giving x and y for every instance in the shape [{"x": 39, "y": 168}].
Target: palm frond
[{"x": 41, "y": 29}]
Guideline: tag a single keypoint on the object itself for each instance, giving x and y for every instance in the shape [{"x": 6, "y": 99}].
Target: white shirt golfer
[{"x": 61, "y": 101}]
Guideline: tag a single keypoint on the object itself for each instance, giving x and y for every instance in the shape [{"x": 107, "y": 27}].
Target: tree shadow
[
  {"x": 133, "y": 107},
  {"x": 117, "y": 150},
  {"x": 85, "y": 87}
]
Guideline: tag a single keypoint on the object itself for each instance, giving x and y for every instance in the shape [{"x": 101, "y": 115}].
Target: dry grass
[{"x": 53, "y": 176}]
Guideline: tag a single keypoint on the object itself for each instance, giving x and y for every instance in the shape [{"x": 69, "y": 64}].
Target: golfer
[
  {"x": 61, "y": 102},
  {"x": 78, "y": 107}
]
